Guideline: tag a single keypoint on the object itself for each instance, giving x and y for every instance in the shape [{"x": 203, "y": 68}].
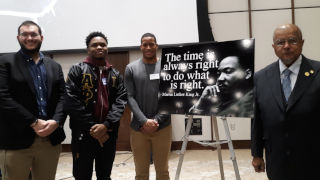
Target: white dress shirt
[{"x": 294, "y": 68}]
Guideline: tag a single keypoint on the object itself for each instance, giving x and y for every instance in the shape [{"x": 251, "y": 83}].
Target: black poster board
[{"x": 208, "y": 79}]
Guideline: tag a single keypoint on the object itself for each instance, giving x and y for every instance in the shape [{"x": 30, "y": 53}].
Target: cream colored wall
[{"x": 230, "y": 21}]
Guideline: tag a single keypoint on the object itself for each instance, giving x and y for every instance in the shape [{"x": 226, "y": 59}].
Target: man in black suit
[
  {"x": 287, "y": 107},
  {"x": 31, "y": 109}
]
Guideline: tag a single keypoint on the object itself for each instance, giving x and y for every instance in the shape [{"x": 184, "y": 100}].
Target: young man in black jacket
[{"x": 96, "y": 98}]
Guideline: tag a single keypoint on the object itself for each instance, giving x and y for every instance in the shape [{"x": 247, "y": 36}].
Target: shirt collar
[
  {"x": 28, "y": 58},
  {"x": 294, "y": 68}
]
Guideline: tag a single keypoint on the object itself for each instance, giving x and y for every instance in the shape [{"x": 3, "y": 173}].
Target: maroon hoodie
[{"x": 102, "y": 106}]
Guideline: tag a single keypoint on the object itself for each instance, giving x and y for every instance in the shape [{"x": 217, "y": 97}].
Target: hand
[
  {"x": 150, "y": 126},
  {"x": 98, "y": 130},
  {"x": 47, "y": 127},
  {"x": 150, "y": 123},
  {"x": 210, "y": 91},
  {"x": 103, "y": 139},
  {"x": 258, "y": 164},
  {"x": 40, "y": 124}
]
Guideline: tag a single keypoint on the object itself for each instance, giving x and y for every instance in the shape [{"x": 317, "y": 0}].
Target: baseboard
[
  {"x": 66, "y": 147},
  {"x": 176, "y": 145}
]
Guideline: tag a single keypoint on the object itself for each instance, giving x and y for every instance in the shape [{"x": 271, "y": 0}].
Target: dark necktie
[{"x": 286, "y": 83}]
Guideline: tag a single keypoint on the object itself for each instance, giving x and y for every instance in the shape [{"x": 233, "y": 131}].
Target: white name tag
[
  {"x": 154, "y": 76},
  {"x": 104, "y": 81}
]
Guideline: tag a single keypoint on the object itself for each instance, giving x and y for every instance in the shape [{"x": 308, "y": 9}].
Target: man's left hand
[
  {"x": 98, "y": 130},
  {"x": 51, "y": 126},
  {"x": 258, "y": 164},
  {"x": 150, "y": 126},
  {"x": 103, "y": 139}
]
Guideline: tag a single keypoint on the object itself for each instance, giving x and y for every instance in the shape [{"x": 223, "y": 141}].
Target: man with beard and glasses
[
  {"x": 232, "y": 95},
  {"x": 31, "y": 109},
  {"x": 95, "y": 101}
]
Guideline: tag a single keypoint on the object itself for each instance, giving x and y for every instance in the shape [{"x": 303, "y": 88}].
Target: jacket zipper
[{"x": 101, "y": 94}]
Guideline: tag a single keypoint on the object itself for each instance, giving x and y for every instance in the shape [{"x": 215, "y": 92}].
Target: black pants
[{"x": 85, "y": 150}]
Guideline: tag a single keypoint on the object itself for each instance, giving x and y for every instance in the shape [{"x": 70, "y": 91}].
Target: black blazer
[
  {"x": 287, "y": 131},
  {"x": 18, "y": 104}
]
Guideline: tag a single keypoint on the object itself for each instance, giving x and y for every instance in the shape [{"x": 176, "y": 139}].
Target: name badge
[
  {"x": 154, "y": 76},
  {"x": 104, "y": 81}
]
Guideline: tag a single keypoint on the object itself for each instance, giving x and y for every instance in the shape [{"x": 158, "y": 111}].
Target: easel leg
[
  {"x": 184, "y": 146},
  {"x": 216, "y": 134},
  {"x": 232, "y": 154}
]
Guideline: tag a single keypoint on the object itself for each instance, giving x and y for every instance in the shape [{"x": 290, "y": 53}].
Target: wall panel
[
  {"x": 270, "y": 4},
  {"x": 308, "y": 20},
  {"x": 263, "y": 25},
  {"x": 230, "y": 26},
  {"x": 227, "y": 5},
  {"x": 304, "y": 3}
]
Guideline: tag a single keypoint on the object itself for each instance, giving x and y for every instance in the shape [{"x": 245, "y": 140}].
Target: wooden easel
[{"x": 216, "y": 144}]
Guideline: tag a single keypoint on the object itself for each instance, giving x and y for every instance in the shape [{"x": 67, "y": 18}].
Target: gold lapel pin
[
  {"x": 311, "y": 71},
  {"x": 114, "y": 81},
  {"x": 307, "y": 74}
]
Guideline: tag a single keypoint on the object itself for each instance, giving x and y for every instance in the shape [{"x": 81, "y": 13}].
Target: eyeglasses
[
  {"x": 282, "y": 42},
  {"x": 26, "y": 35}
]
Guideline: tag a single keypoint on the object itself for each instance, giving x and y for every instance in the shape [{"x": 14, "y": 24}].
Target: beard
[
  {"x": 31, "y": 51},
  {"x": 99, "y": 58}
]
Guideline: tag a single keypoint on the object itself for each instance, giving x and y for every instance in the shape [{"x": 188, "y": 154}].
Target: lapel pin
[
  {"x": 307, "y": 74},
  {"x": 311, "y": 71},
  {"x": 114, "y": 81}
]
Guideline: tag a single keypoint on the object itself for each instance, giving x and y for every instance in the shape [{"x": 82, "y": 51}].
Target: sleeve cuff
[{"x": 107, "y": 124}]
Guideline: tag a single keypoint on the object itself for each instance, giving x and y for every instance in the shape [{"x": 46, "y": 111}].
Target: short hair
[
  {"x": 93, "y": 35},
  {"x": 148, "y": 35},
  {"x": 246, "y": 63},
  {"x": 29, "y": 23},
  {"x": 243, "y": 61}
]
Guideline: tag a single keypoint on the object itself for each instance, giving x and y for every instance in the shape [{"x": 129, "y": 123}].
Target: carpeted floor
[{"x": 197, "y": 165}]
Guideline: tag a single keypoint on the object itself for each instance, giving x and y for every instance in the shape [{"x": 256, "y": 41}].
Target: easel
[{"x": 213, "y": 144}]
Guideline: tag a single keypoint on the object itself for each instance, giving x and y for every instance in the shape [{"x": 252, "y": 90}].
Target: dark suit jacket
[
  {"x": 18, "y": 104},
  {"x": 287, "y": 131}
]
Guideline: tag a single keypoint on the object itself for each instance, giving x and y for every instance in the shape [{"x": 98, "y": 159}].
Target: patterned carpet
[{"x": 197, "y": 165}]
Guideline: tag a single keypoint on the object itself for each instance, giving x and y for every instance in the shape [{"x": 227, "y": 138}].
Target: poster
[{"x": 208, "y": 79}]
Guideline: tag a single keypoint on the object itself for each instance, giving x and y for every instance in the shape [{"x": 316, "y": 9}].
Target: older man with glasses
[{"x": 287, "y": 105}]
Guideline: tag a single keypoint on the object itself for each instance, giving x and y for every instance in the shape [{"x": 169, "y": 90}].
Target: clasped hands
[
  {"x": 44, "y": 128},
  {"x": 99, "y": 132},
  {"x": 150, "y": 126}
]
